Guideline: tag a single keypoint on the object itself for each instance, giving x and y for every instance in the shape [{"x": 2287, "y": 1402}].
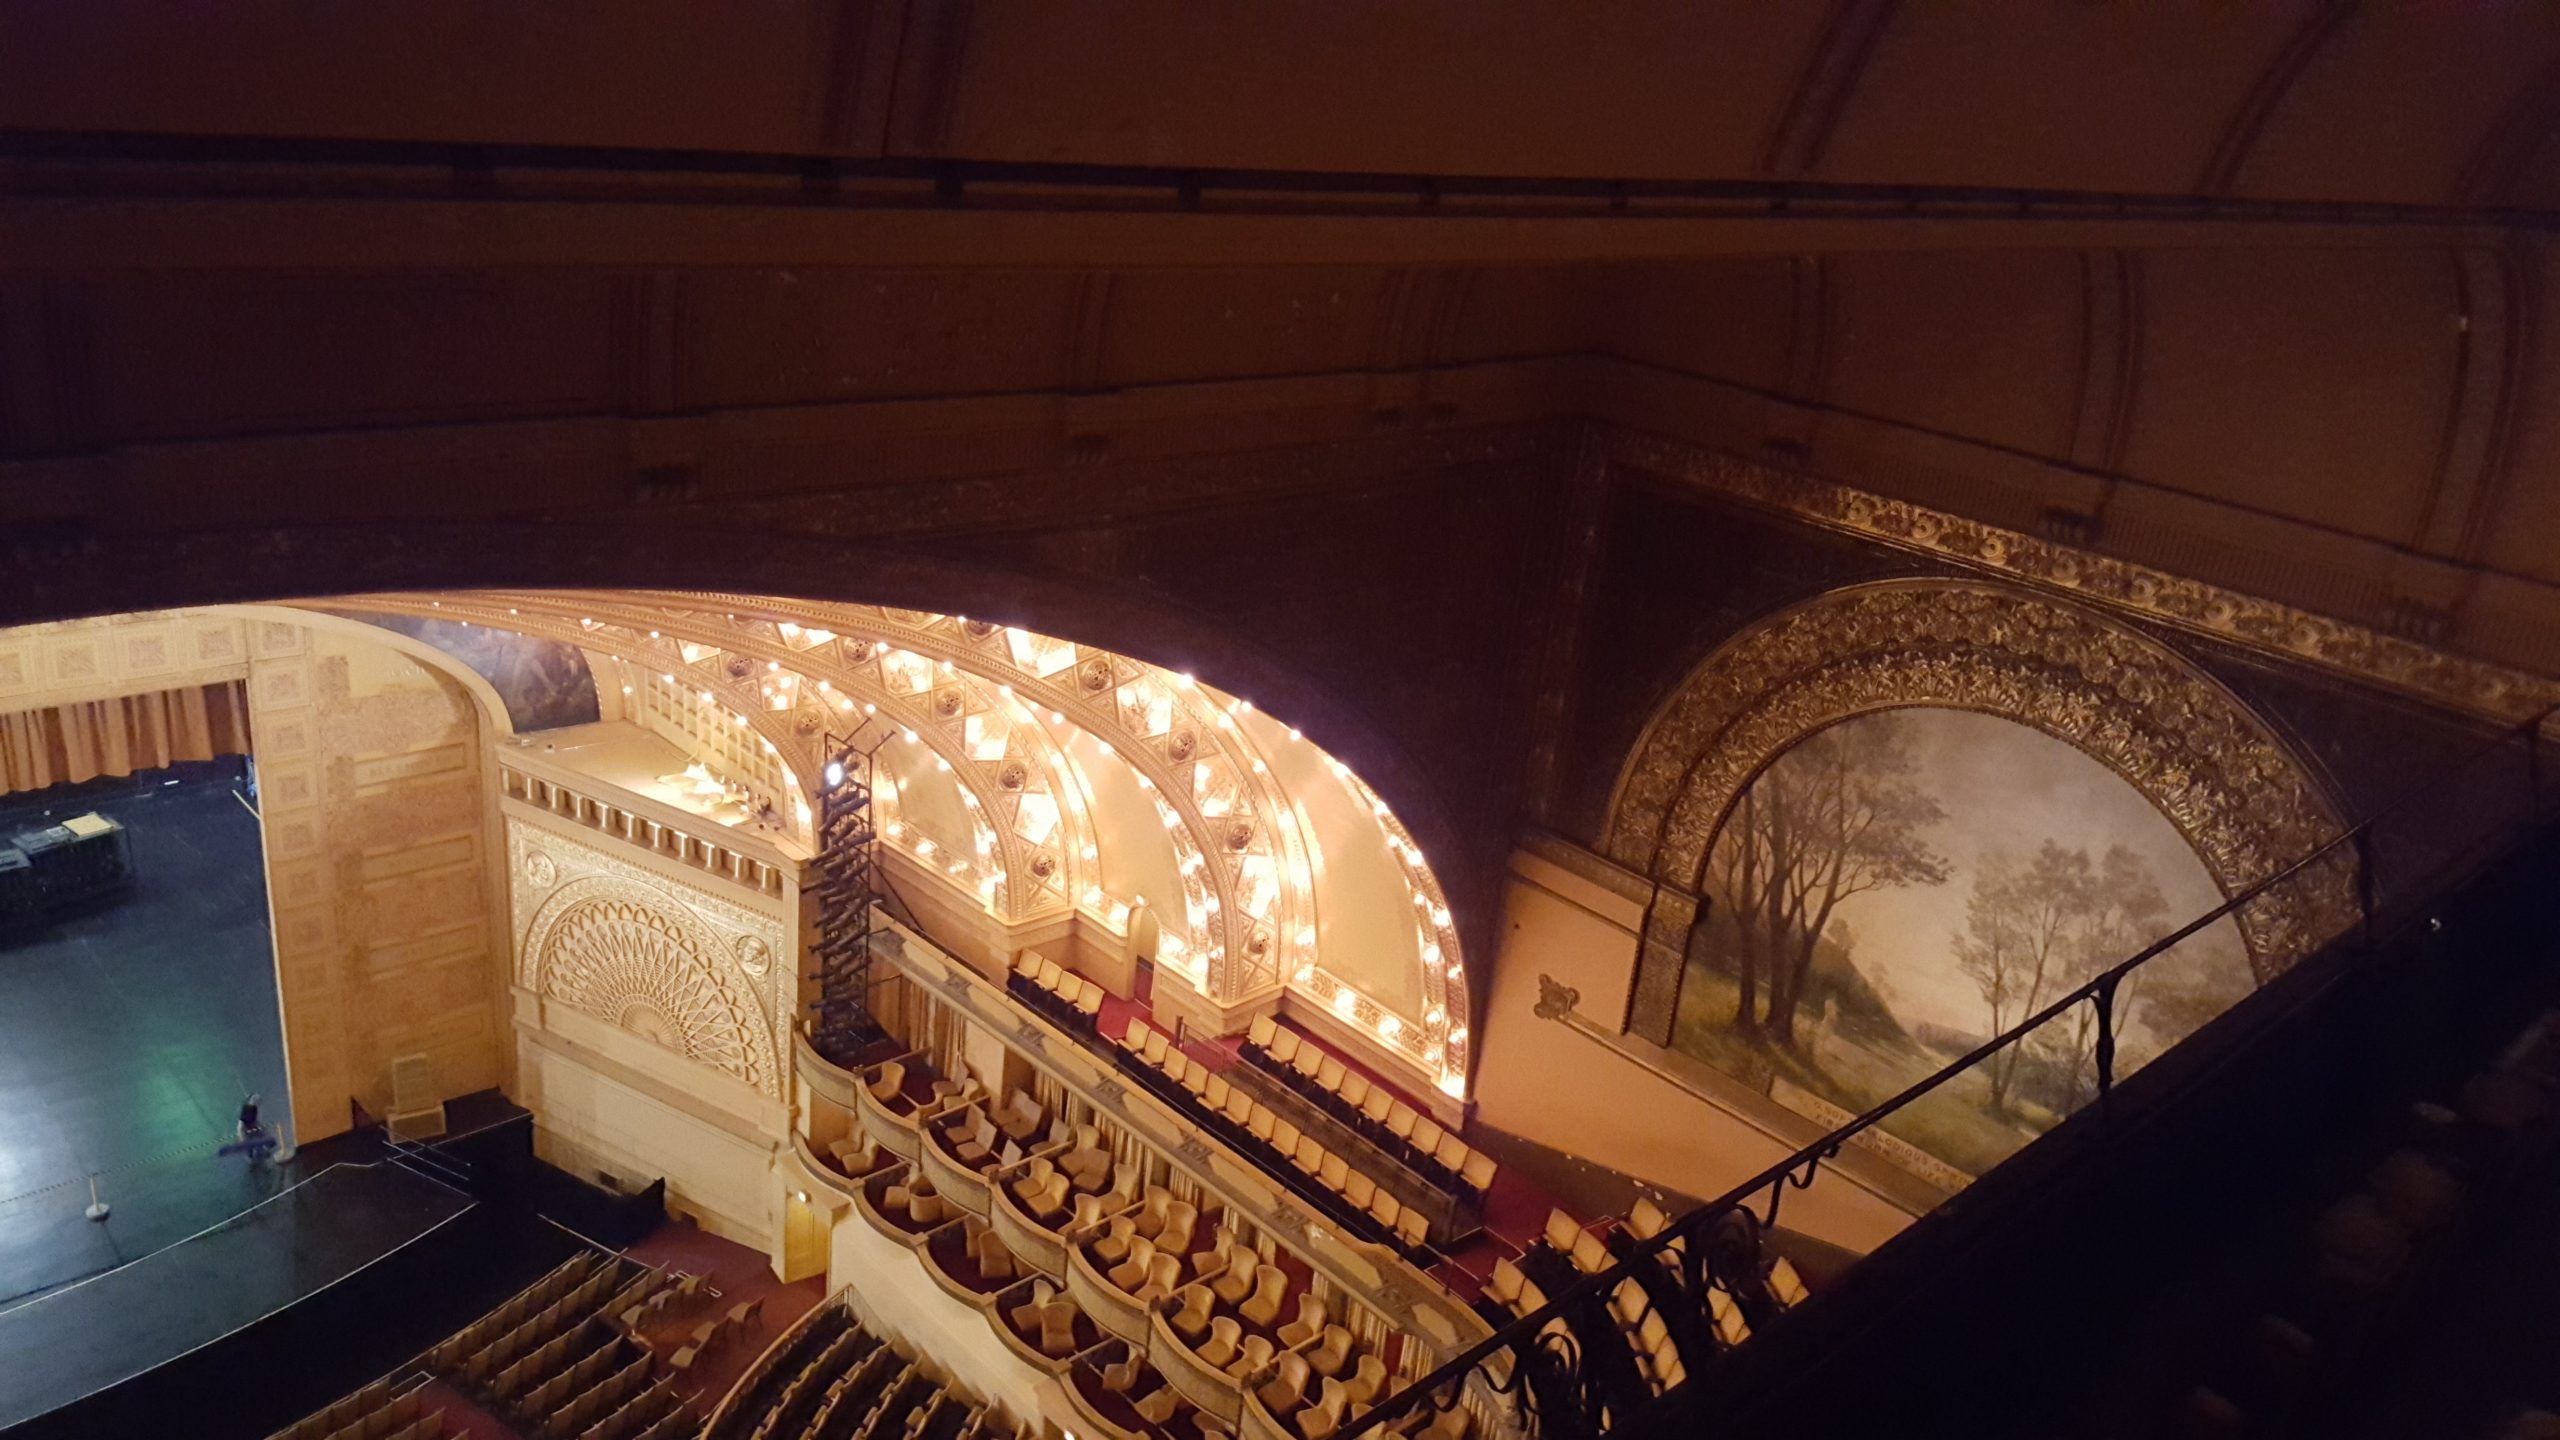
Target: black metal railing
[{"x": 1563, "y": 1364}]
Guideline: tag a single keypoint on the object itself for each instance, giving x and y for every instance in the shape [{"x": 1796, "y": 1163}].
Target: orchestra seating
[
  {"x": 1347, "y": 1194},
  {"x": 379, "y": 1411},
  {"x": 832, "y": 1379},
  {"x": 1370, "y": 1109},
  {"x": 549, "y": 1359},
  {"x": 559, "y": 1360},
  {"x": 1069, "y": 1000}
]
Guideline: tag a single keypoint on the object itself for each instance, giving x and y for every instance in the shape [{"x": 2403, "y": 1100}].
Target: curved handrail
[{"x": 1798, "y": 1170}]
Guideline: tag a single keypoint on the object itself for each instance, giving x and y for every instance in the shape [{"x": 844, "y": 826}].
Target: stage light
[{"x": 835, "y": 772}]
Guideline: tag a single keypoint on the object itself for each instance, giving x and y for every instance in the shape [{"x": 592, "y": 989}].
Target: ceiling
[
  {"x": 843, "y": 299},
  {"x": 2419, "y": 105}
]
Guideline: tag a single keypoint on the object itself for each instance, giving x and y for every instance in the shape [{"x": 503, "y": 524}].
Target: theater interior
[{"x": 933, "y": 721}]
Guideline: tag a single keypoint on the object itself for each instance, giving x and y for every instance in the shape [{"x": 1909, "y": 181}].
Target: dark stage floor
[
  {"x": 85, "y": 1337},
  {"x": 129, "y": 1033}
]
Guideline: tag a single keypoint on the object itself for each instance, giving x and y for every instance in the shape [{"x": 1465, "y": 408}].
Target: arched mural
[
  {"x": 2244, "y": 804},
  {"x": 1898, "y": 887}
]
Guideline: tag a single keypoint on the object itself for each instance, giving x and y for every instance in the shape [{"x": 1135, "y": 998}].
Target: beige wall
[
  {"x": 75, "y": 660},
  {"x": 653, "y": 1005},
  {"x": 595, "y": 1116},
  {"x": 374, "y": 804},
  {"x": 1544, "y": 1081}
]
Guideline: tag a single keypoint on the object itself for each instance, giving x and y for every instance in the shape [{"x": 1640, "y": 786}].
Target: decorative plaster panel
[
  {"x": 77, "y": 660},
  {"x": 670, "y": 962}
]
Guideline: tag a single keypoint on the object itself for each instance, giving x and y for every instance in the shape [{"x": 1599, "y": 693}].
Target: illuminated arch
[{"x": 993, "y": 704}]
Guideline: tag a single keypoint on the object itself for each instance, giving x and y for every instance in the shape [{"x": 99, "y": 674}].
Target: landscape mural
[
  {"x": 1899, "y": 887},
  {"x": 543, "y": 683}
]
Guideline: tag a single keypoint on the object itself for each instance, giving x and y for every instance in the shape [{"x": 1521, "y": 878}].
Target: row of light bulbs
[{"x": 1433, "y": 920}]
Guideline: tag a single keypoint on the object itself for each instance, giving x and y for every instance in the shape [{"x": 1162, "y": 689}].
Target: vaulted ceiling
[{"x": 443, "y": 292}]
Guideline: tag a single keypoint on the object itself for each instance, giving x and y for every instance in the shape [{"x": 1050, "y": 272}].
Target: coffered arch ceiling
[{"x": 1047, "y": 778}]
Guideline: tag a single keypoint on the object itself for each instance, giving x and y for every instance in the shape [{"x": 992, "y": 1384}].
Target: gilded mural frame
[{"x": 2234, "y": 790}]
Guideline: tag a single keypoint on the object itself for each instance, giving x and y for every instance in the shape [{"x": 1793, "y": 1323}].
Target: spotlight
[{"x": 835, "y": 772}]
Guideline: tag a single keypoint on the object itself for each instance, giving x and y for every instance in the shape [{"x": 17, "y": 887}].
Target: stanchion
[{"x": 97, "y": 1208}]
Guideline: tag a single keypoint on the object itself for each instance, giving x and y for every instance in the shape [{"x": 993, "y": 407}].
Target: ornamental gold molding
[
  {"x": 2267, "y": 627},
  {"x": 2229, "y": 785},
  {"x": 671, "y": 963}
]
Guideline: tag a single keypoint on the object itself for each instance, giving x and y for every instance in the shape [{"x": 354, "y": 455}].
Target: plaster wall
[
  {"x": 653, "y": 1036},
  {"x": 593, "y": 1115},
  {"x": 374, "y": 805}
]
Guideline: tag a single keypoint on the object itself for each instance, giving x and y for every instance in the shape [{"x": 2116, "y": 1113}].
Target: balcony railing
[{"x": 2363, "y": 883}]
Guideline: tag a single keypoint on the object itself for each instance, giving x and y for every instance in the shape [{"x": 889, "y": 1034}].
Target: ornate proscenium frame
[
  {"x": 848, "y": 870},
  {"x": 2232, "y": 788}
]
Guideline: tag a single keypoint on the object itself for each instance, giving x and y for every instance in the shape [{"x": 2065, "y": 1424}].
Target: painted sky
[{"x": 2005, "y": 786}]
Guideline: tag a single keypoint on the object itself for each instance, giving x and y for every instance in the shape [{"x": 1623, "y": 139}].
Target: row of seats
[
  {"x": 1230, "y": 1318},
  {"x": 656, "y": 1413},
  {"x": 762, "y": 1392},
  {"x": 2395, "y": 1234},
  {"x": 1370, "y": 1109},
  {"x": 1068, "y": 1190},
  {"x": 1067, "y": 998},
  {"x": 1335, "y": 1400},
  {"x": 481, "y": 1334},
  {"x": 991, "y": 1264},
  {"x": 372, "y": 1413},
  {"x": 654, "y": 1306},
  {"x": 1145, "y": 1251},
  {"x": 838, "y": 1381},
  {"x": 591, "y": 1380},
  {"x": 549, "y": 1361},
  {"x": 1047, "y": 1321},
  {"x": 1568, "y": 1250},
  {"x": 888, "y": 1085},
  {"x": 1349, "y": 1195},
  {"x": 969, "y": 1136},
  {"x": 571, "y": 1404},
  {"x": 502, "y": 1365}
]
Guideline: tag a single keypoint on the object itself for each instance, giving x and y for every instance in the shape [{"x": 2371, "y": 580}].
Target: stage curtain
[{"x": 67, "y": 744}]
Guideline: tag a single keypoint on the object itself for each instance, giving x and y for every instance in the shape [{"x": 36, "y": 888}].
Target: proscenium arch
[{"x": 2235, "y": 792}]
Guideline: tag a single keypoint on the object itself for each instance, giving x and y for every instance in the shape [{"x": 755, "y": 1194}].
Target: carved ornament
[
  {"x": 670, "y": 963},
  {"x": 2265, "y": 626}
]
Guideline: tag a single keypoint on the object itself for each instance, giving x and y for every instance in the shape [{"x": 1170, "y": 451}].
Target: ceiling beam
[{"x": 533, "y": 228}]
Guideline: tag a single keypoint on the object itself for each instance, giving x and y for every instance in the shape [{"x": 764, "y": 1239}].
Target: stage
[{"x": 68, "y": 1346}]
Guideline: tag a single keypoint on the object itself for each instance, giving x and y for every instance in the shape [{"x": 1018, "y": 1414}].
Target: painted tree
[
  {"x": 2122, "y": 911},
  {"x": 1834, "y": 817},
  {"x": 2019, "y": 943},
  {"x": 2037, "y": 930}
]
